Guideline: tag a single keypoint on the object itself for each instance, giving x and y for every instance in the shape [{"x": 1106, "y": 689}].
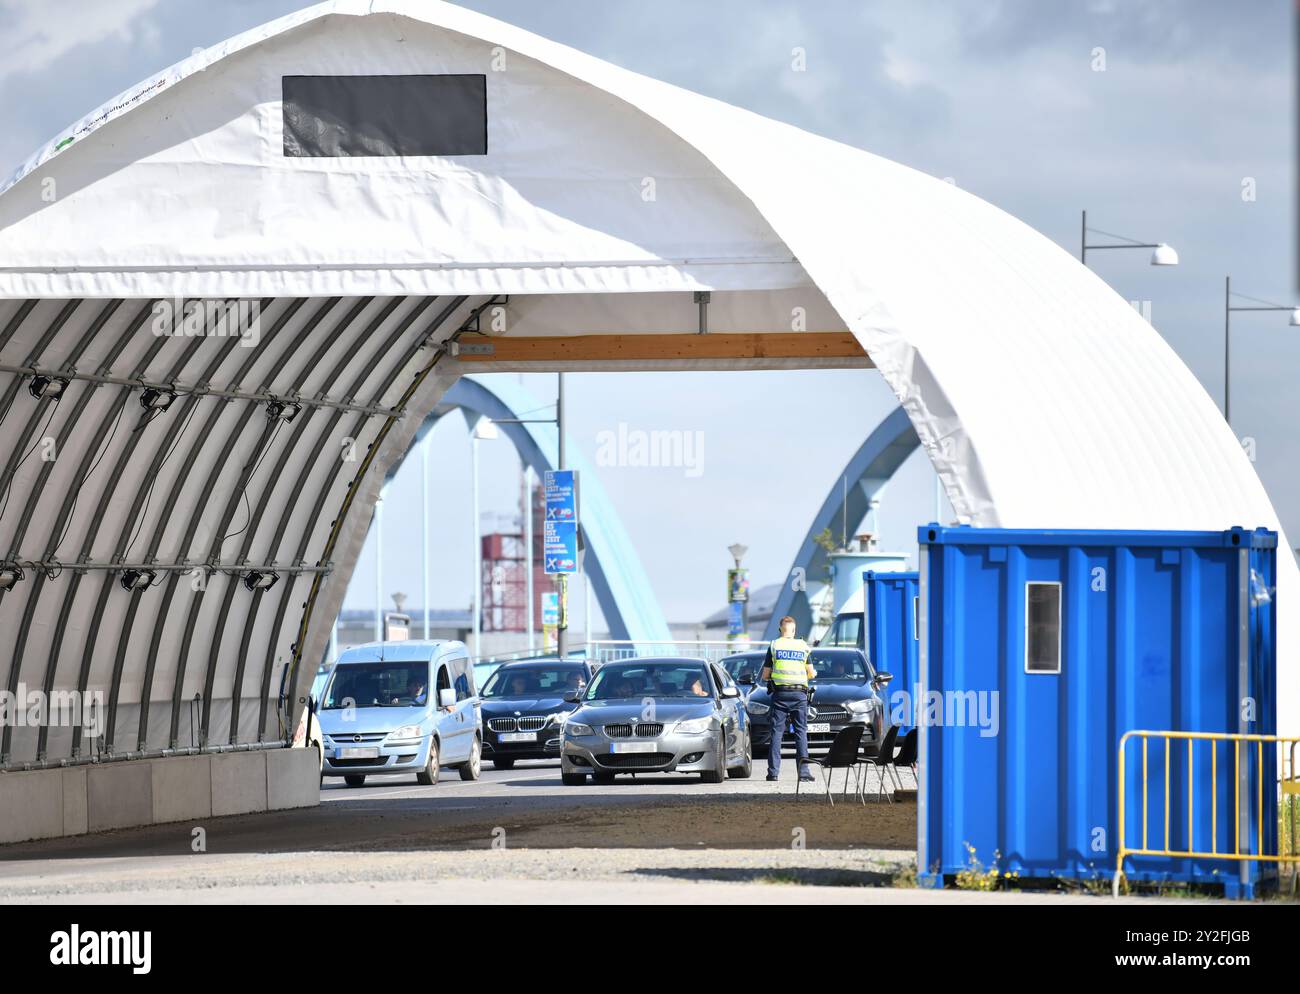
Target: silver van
[{"x": 390, "y": 707}]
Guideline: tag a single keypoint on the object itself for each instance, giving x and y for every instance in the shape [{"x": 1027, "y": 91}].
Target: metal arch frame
[
  {"x": 11, "y": 464},
  {"x": 33, "y": 498},
  {"x": 232, "y": 503},
  {"x": 386, "y": 311},
  {"x": 323, "y": 493},
  {"x": 872, "y": 466},
  {"x": 626, "y": 620},
  {"x": 69, "y": 498},
  {"x": 15, "y": 322},
  {"x": 182, "y": 482},
  {"x": 92, "y": 533},
  {"x": 403, "y": 326},
  {"x": 125, "y": 538}
]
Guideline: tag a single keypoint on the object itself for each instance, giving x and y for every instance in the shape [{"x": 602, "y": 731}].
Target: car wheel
[
  {"x": 745, "y": 769},
  {"x": 355, "y": 779},
  {"x": 719, "y": 771},
  {"x": 504, "y": 764},
  {"x": 471, "y": 768},
  {"x": 572, "y": 779},
  {"x": 428, "y": 776}
]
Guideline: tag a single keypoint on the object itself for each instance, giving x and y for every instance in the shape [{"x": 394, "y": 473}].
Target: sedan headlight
[
  {"x": 694, "y": 726},
  {"x": 577, "y": 728},
  {"x": 755, "y": 708},
  {"x": 858, "y": 707},
  {"x": 406, "y": 732}
]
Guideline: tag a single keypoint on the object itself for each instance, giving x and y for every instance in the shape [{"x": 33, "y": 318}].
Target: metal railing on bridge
[{"x": 610, "y": 650}]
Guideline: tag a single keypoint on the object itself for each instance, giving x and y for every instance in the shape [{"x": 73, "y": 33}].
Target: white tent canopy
[{"x": 580, "y": 197}]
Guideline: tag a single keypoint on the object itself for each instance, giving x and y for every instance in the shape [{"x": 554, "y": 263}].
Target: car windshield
[
  {"x": 378, "y": 685},
  {"x": 839, "y": 665},
  {"x": 533, "y": 681},
  {"x": 748, "y": 665},
  {"x": 631, "y": 681}
]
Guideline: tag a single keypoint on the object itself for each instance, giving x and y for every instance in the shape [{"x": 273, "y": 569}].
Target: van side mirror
[
  {"x": 446, "y": 697},
  {"x": 883, "y": 678}
]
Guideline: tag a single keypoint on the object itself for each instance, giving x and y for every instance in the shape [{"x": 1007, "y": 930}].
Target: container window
[{"x": 1042, "y": 628}]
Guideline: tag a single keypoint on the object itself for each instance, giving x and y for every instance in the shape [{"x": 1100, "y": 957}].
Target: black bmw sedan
[
  {"x": 523, "y": 707},
  {"x": 847, "y": 690}
]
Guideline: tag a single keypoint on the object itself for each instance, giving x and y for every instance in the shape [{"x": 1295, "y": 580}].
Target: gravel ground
[{"x": 162, "y": 877}]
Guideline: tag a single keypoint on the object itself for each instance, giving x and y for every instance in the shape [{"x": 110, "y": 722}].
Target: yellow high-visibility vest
[{"x": 790, "y": 662}]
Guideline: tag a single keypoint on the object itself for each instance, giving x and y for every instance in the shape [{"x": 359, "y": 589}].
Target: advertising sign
[
  {"x": 560, "y": 489},
  {"x": 550, "y": 608},
  {"x": 560, "y": 547}
]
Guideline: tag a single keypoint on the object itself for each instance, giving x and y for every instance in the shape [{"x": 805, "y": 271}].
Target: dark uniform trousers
[{"x": 789, "y": 707}]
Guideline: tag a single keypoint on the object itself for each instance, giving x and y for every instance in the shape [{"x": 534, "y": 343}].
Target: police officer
[{"x": 788, "y": 671}]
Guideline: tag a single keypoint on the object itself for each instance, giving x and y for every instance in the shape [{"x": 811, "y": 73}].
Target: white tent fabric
[{"x": 1040, "y": 396}]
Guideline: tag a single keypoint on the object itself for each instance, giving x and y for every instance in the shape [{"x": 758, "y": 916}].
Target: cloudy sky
[{"x": 1185, "y": 137}]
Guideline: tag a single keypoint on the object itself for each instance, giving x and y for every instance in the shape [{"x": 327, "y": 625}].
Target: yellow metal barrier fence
[{"x": 1287, "y": 784}]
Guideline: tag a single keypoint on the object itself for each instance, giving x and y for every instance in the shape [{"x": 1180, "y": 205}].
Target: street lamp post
[
  {"x": 528, "y": 555},
  {"x": 1228, "y": 310},
  {"x": 1163, "y": 254},
  {"x": 483, "y": 429},
  {"x": 562, "y": 631},
  {"x": 379, "y": 565},
  {"x": 424, "y": 526},
  {"x": 558, "y": 421}
]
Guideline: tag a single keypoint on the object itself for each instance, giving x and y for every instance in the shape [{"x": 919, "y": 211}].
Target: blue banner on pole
[
  {"x": 560, "y": 547},
  {"x": 560, "y": 489}
]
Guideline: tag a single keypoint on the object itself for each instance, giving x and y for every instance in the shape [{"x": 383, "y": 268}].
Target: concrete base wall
[{"x": 46, "y": 804}]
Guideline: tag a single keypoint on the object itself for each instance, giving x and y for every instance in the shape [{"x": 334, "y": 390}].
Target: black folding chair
[
  {"x": 906, "y": 758},
  {"x": 883, "y": 760},
  {"x": 843, "y": 755}
]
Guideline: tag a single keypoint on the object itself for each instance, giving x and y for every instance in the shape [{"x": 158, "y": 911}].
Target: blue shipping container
[
  {"x": 890, "y": 603},
  {"x": 1040, "y": 649}
]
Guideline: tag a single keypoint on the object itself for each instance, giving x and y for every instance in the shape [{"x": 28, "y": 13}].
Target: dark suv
[
  {"x": 523, "y": 707},
  {"x": 847, "y": 690}
]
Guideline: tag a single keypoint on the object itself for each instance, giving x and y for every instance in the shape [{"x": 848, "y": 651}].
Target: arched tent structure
[
  {"x": 621, "y": 586},
  {"x": 372, "y": 174},
  {"x": 867, "y": 472}
]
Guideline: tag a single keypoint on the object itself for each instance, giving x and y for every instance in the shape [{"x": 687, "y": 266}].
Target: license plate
[
  {"x": 821, "y": 726},
  {"x": 632, "y": 747},
  {"x": 518, "y": 736},
  {"x": 362, "y": 753}
]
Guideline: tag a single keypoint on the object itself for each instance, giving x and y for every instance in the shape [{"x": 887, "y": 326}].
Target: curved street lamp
[
  {"x": 1162, "y": 254},
  {"x": 1228, "y": 309}
]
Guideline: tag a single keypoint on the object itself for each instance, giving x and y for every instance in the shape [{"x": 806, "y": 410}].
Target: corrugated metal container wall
[
  {"x": 1044, "y": 648},
  {"x": 890, "y": 603}
]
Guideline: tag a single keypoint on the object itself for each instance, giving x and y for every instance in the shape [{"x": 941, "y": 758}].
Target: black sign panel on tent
[{"x": 384, "y": 115}]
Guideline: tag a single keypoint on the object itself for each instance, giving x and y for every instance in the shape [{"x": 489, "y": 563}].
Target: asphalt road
[{"x": 514, "y": 836}]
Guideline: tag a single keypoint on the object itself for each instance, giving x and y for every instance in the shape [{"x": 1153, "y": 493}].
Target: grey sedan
[{"x": 657, "y": 715}]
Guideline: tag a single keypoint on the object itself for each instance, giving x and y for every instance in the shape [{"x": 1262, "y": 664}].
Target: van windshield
[
  {"x": 378, "y": 685},
  {"x": 847, "y": 631}
]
